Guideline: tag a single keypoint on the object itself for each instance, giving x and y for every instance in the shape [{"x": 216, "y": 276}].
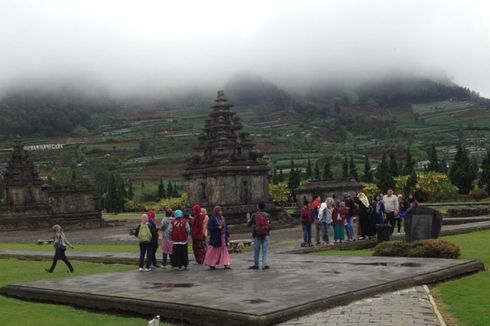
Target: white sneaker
[
  {"x": 147, "y": 269},
  {"x": 140, "y": 269}
]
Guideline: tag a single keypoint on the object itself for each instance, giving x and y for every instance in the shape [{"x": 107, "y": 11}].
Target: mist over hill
[{"x": 57, "y": 111}]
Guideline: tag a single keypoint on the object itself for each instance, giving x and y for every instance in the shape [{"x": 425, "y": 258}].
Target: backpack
[
  {"x": 144, "y": 234},
  {"x": 262, "y": 225}
]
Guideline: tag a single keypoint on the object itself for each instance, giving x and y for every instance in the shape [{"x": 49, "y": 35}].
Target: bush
[
  {"x": 370, "y": 190},
  {"x": 397, "y": 248},
  {"x": 431, "y": 248},
  {"x": 280, "y": 192},
  {"x": 430, "y": 186}
]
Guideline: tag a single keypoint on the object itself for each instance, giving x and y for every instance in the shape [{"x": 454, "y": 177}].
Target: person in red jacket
[
  {"x": 339, "y": 216},
  {"x": 306, "y": 222},
  {"x": 180, "y": 230},
  {"x": 198, "y": 238}
]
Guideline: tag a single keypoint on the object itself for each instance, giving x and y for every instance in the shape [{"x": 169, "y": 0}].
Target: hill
[{"x": 146, "y": 139}]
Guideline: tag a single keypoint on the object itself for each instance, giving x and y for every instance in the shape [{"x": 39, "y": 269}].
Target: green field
[
  {"x": 24, "y": 313},
  {"x": 466, "y": 299}
]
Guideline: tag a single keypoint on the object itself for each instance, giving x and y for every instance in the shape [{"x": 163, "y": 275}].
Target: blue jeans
[
  {"x": 261, "y": 243},
  {"x": 325, "y": 232},
  {"x": 350, "y": 228},
  {"x": 307, "y": 234}
]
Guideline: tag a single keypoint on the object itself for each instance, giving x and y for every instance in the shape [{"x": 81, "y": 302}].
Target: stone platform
[{"x": 295, "y": 285}]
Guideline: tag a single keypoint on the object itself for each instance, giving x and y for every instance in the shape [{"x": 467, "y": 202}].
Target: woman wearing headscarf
[
  {"x": 198, "y": 238},
  {"x": 167, "y": 245},
  {"x": 60, "y": 242},
  {"x": 154, "y": 240},
  {"x": 145, "y": 233},
  {"x": 180, "y": 230},
  {"x": 204, "y": 213},
  {"x": 217, "y": 252},
  {"x": 363, "y": 202}
]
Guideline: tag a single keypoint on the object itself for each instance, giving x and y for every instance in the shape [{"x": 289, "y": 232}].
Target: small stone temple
[
  {"x": 325, "y": 188},
  {"x": 227, "y": 169},
  {"x": 32, "y": 203}
]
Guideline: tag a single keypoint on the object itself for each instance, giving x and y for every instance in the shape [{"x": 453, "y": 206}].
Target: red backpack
[
  {"x": 179, "y": 233},
  {"x": 262, "y": 225}
]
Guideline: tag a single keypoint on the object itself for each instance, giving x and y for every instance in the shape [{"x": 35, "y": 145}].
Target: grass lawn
[
  {"x": 109, "y": 248},
  {"x": 18, "y": 312},
  {"x": 122, "y": 216},
  {"x": 467, "y": 299}
]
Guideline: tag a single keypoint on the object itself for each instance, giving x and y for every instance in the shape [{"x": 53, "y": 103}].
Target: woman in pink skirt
[
  {"x": 217, "y": 252},
  {"x": 167, "y": 244}
]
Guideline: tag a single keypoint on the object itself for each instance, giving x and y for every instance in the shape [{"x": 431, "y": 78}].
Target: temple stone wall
[
  {"x": 30, "y": 203},
  {"x": 227, "y": 168}
]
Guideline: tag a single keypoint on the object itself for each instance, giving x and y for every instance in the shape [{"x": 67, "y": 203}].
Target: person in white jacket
[{"x": 325, "y": 217}]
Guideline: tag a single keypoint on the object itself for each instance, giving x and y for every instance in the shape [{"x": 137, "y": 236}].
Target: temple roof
[
  {"x": 20, "y": 167},
  {"x": 223, "y": 141}
]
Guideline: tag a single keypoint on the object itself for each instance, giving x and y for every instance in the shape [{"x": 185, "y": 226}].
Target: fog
[{"x": 166, "y": 47}]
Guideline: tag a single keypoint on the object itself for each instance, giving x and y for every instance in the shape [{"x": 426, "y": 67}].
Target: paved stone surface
[
  {"x": 405, "y": 307},
  {"x": 296, "y": 285}
]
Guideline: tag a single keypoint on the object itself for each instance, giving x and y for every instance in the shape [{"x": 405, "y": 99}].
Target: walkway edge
[{"x": 434, "y": 306}]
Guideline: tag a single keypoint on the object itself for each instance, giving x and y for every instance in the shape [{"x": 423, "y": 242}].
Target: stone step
[{"x": 463, "y": 220}]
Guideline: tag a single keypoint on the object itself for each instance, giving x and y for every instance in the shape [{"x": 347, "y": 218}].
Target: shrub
[
  {"x": 431, "y": 248},
  {"x": 370, "y": 190},
  {"x": 430, "y": 186},
  {"x": 392, "y": 249},
  {"x": 280, "y": 192}
]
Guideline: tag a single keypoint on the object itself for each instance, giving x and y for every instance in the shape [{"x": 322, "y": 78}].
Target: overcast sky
[{"x": 151, "y": 47}]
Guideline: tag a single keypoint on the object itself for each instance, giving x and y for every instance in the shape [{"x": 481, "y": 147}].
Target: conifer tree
[
  {"x": 462, "y": 172},
  {"x": 275, "y": 177},
  {"x": 345, "y": 168},
  {"x": 161, "y": 189},
  {"x": 394, "y": 170},
  {"x": 130, "y": 191},
  {"x": 308, "y": 170},
  {"x": 353, "y": 169},
  {"x": 317, "y": 171},
  {"x": 368, "y": 174},
  {"x": 281, "y": 176},
  {"x": 485, "y": 174},
  {"x": 411, "y": 183},
  {"x": 175, "y": 190},
  {"x": 170, "y": 189},
  {"x": 409, "y": 163},
  {"x": 327, "y": 172},
  {"x": 434, "y": 164},
  {"x": 384, "y": 179}
]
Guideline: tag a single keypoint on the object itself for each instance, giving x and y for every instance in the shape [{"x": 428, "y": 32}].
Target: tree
[
  {"x": 411, "y": 183},
  {"x": 294, "y": 180},
  {"x": 462, "y": 172},
  {"x": 327, "y": 172},
  {"x": 317, "y": 171},
  {"x": 281, "y": 176},
  {"x": 345, "y": 168},
  {"x": 485, "y": 174},
  {"x": 170, "y": 189},
  {"x": 161, "y": 189},
  {"x": 368, "y": 174},
  {"x": 444, "y": 166},
  {"x": 434, "y": 164},
  {"x": 394, "y": 169},
  {"x": 130, "y": 191},
  {"x": 385, "y": 180},
  {"x": 175, "y": 192},
  {"x": 352, "y": 168},
  {"x": 409, "y": 163},
  {"x": 275, "y": 177},
  {"x": 308, "y": 170}
]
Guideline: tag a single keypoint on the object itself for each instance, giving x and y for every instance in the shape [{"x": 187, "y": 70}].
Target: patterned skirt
[{"x": 199, "y": 247}]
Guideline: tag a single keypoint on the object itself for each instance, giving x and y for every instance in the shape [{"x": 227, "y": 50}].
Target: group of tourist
[
  {"x": 353, "y": 218},
  {"x": 209, "y": 236},
  {"x": 174, "y": 231}
]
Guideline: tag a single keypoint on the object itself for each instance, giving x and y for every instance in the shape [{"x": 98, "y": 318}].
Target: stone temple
[
  {"x": 228, "y": 170},
  {"x": 32, "y": 203}
]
